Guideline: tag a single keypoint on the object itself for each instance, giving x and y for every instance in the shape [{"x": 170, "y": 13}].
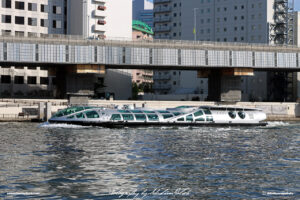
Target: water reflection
[{"x": 160, "y": 163}]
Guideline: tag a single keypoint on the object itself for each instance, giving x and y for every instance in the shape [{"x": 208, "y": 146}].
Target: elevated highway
[{"x": 223, "y": 63}]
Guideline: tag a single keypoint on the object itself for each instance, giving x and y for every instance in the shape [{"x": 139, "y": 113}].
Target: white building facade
[
  {"x": 100, "y": 19},
  {"x": 213, "y": 20}
]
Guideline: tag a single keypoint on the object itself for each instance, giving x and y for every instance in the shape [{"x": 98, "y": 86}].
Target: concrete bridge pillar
[{"x": 225, "y": 84}]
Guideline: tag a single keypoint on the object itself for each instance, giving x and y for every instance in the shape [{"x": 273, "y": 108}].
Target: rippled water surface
[{"x": 73, "y": 162}]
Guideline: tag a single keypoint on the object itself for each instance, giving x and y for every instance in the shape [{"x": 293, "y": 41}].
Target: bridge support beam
[{"x": 225, "y": 84}]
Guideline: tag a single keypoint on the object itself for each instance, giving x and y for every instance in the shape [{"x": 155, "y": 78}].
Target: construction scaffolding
[{"x": 282, "y": 84}]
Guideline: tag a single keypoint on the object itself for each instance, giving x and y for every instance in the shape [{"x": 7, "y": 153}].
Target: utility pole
[{"x": 195, "y": 24}]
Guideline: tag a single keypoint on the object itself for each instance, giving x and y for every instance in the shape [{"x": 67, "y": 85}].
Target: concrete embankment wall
[{"x": 275, "y": 111}]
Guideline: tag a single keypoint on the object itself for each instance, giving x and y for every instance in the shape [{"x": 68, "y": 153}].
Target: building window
[
  {"x": 174, "y": 24},
  {"x": 174, "y": 82},
  {"x": 225, "y": 39},
  {"x": 175, "y": 14},
  {"x": 6, "y": 3},
  {"x": 19, "y": 5},
  {"x": 44, "y": 80},
  {"x": 174, "y": 34},
  {"x": 174, "y": 73},
  {"x": 44, "y": 22},
  {"x": 32, "y": 21},
  {"x": 242, "y": 28},
  {"x": 225, "y": 9},
  {"x": 225, "y": 29},
  {"x": 235, "y": 7},
  {"x": 44, "y": 8},
  {"x": 19, "y": 79},
  {"x": 31, "y": 80},
  {"x": 6, "y": 19},
  {"x": 19, "y": 33},
  {"x": 235, "y": 17},
  {"x": 242, "y": 7},
  {"x": 225, "y": 19},
  {"x": 242, "y": 17},
  {"x": 19, "y": 20},
  {"x": 5, "y": 79},
  {"x": 235, "y": 39},
  {"x": 235, "y": 28},
  {"x": 175, "y": 5},
  {"x": 32, "y": 6},
  {"x": 56, "y": 24},
  {"x": 242, "y": 38}
]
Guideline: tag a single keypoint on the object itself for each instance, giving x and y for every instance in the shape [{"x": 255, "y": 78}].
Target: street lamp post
[{"x": 195, "y": 24}]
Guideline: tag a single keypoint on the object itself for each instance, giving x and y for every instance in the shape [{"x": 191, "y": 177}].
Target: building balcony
[
  {"x": 162, "y": 19},
  {"x": 162, "y": 9},
  {"x": 161, "y": 1},
  {"x": 100, "y": 28},
  {"x": 162, "y": 77},
  {"x": 99, "y": 13},
  {"x": 162, "y": 29},
  {"x": 99, "y": 1}
]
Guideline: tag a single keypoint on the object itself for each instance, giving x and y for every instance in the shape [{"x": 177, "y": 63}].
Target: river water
[{"x": 74, "y": 162}]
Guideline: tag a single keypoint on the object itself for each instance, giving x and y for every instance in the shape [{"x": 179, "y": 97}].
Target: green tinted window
[
  {"x": 200, "y": 119},
  {"x": 209, "y": 118},
  {"x": 115, "y": 117},
  {"x": 140, "y": 117},
  {"x": 163, "y": 111},
  {"x": 127, "y": 117},
  {"x": 180, "y": 119},
  {"x": 71, "y": 117},
  {"x": 91, "y": 114},
  {"x": 232, "y": 114},
  {"x": 242, "y": 115},
  {"x": 177, "y": 113},
  {"x": 152, "y": 117},
  {"x": 198, "y": 113},
  {"x": 148, "y": 111},
  {"x": 71, "y": 110},
  {"x": 136, "y": 111},
  {"x": 80, "y": 116},
  {"x": 207, "y": 111},
  {"x": 124, "y": 111},
  {"x": 166, "y": 116},
  {"x": 189, "y": 118}
]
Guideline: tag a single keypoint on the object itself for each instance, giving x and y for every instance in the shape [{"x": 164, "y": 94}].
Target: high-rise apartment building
[
  {"x": 100, "y": 18},
  {"x": 213, "y": 20},
  {"x": 143, "y": 11},
  {"x": 33, "y": 17}
]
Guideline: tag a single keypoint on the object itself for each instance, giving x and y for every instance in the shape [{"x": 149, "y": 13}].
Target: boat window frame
[
  {"x": 137, "y": 119},
  {"x": 91, "y": 111},
  {"x": 151, "y": 119},
  {"x": 120, "y": 117},
  {"x": 202, "y": 113},
  {"x": 81, "y": 113},
  {"x": 131, "y": 119},
  {"x": 167, "y": 116},
  {"x": 189, "y": 119}
]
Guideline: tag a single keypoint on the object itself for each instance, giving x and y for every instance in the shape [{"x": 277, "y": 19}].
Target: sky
[{"x": 297, "y": 5}]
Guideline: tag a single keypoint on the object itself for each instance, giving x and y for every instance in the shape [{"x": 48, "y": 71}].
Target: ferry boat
[{"x": 179, "y": 116}]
